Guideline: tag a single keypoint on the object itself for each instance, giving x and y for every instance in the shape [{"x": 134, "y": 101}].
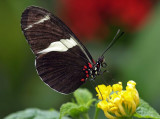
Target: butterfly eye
[{"x": 104, "y": 65}]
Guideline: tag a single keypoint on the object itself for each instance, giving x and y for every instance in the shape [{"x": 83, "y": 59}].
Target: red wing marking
[
  {"x": 94, "y": 61},
  {"x": 85, "y": 66},
  {"x": 90, "y": 65},
  {"x": 82, "y": 80},
  {"x": 87, "y": 75}
]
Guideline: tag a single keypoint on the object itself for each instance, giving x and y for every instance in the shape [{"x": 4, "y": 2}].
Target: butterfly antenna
[{"x": 116, "y": 37}]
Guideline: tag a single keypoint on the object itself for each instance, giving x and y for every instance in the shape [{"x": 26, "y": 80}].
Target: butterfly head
[
  {"x": 101, "y": 62},
  {"x": 96, "y": 69}
]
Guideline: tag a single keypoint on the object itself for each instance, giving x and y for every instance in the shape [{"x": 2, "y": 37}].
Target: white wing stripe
[
  {"x": 38, "y": 22},
  {"x": 68, "y": 42},
  {"x": 61, "y": 46}
]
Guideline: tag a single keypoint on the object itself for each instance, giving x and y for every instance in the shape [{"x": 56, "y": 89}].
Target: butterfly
[{"x": 61, "y": 60}]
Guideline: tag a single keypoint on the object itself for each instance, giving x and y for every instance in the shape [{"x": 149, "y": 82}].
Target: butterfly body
[{"x": 62, "y": 61}]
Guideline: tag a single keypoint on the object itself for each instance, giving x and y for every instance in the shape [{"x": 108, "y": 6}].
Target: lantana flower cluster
[{"x": 116, "y": 102}]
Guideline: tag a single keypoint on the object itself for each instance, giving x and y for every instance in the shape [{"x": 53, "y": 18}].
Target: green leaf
[
  {"x": 89, "y": 103},
  {"x": 146, "y": 111},
  {"x": 83, "y": 96},
  {"x": 84, "y": 101},
  {"x": 72, "y": 109},
  {"x": 66, "y": 109},
  {"x": 33, "y": 113}
]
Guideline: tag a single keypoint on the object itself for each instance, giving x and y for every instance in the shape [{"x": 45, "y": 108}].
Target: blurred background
[{"x": 136, "y": 56}]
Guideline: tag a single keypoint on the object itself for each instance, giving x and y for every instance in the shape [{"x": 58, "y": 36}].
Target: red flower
[
  {"x": 89, "y": 18},
  {"x": 130, "y": 13}
]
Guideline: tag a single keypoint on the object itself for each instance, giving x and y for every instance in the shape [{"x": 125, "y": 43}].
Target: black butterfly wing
[
  {"x": 60, "y": 56},
  {"x": 61, "y": 71}
]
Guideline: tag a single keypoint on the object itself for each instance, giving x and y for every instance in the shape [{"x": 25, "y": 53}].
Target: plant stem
[
  {"x": 96, "y": 113},
  {"x": 86, "y": 116}
]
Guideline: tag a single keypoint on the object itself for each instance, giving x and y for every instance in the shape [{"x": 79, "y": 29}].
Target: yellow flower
[
  {"x": 116, "y": 102},
  {"x": 103, "y": 91}
]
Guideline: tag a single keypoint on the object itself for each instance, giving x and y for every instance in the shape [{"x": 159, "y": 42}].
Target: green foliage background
[{"x": 134, "y": 57}]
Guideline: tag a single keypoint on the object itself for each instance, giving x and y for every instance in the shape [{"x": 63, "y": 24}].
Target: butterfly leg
[{"x": 95, "y": 85}]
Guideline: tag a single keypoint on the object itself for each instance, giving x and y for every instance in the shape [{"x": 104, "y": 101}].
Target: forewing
[{"x": 41, "y": 28}]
